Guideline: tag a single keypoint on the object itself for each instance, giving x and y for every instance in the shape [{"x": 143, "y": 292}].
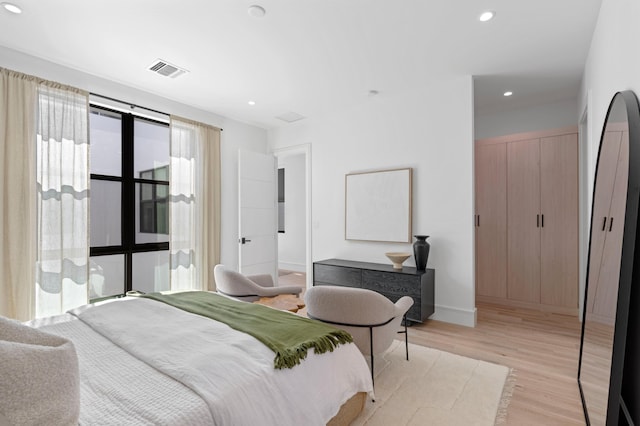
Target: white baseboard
[
  {"x": 453, "y": 315},
  {"x": 297, "y": 267}
]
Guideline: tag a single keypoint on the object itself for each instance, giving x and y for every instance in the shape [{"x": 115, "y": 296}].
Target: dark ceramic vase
[{"x": 421, "y": 251}]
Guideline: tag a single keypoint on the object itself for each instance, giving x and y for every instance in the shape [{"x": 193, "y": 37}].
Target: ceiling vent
[
  {"x": 166, "y": 69},
  {"x": 290, "y": 117}
]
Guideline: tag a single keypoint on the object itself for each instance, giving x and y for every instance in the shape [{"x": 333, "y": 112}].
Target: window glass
[
  {"x": 106, "y": 276},
  {"x": 161, "y": 173},
  {"x": 151, "y": 150},
  {"x": 151, "y": 271},
  {"x": 105, "y": 199},
  {"x": 106, "y": 147},
  {"x": 152, "y": 213}
]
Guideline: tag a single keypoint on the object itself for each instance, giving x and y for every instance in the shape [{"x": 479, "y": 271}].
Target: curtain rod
[
  {"x": 128, "y": 103},
  {"x": 132, "y": 105}
]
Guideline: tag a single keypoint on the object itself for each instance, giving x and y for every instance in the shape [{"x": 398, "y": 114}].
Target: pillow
[{"x": 39, "y": 377}]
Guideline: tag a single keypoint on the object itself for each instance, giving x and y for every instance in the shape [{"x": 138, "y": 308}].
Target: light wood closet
[
  {"x": 607, "y": 227},
  {"x": 527, "y": 220}
]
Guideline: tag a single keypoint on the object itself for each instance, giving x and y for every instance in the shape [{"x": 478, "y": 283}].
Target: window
[
  {"x": 129, "y": 233},
  {"x": 153, "y": 199}
]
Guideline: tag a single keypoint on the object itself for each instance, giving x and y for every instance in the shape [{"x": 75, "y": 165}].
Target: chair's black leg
[
  {"x": 371, "y": 351},
  {"x": 406, "y": 337}
]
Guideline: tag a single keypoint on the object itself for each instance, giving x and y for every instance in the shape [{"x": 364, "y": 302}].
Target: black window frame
[{"x": 128, "y": 246}]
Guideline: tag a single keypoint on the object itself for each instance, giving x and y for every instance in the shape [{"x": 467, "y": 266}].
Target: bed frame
[{"x": 350, "y": 410}]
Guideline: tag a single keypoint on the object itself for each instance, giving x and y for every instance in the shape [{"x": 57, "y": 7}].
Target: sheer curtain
[
  {"x": 62, "y": 175},
  {"x": 17, "y": 200},
  {"x": 194, "y": 193}
]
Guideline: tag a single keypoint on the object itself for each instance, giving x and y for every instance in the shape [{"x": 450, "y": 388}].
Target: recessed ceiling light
[
  {"x": 12, "y": 8},
  {"x": 252, "y": 103},
  {"x": 487, "y": 16},
  {"x": 508, "y": 93},
  {"x": 256, "y": 11}
]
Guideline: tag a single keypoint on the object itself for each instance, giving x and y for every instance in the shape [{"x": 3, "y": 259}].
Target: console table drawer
[
  {"x": 389, "y": 283},
  {"x": 348, "y": 277},
  {"x": 415, "y": 312}
]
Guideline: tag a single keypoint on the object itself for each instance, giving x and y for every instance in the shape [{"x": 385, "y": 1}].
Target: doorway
[{"x": 294, "y": 205}]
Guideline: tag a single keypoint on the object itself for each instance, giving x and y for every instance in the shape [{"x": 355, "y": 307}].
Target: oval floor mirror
[{"x": 608, "y": 383}]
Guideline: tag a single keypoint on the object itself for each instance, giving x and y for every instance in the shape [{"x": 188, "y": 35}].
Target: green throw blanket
[{"x": 289, "y": 336}]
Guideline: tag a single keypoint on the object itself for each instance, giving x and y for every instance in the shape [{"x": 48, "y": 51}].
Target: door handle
[
  {"x": 610, "y": 224},
  {"x": 542, "y": 220},
  {"x": 604, "y": 223},
  {"x": 478, "y": 220},
  {"x": 243, "y": 240},
  {"x": 537, "y": 221}
]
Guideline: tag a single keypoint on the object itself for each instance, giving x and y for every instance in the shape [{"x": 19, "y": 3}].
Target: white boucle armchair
[
  {"x": 371, "y": 318},
  {"x": 248, "y": 288}
]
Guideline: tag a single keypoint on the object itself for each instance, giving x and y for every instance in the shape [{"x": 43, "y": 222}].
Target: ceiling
[{"x": 313, "y": 57}]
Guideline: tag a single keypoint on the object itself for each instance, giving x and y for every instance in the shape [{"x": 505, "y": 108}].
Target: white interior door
[{"x": 258, "y": 221}]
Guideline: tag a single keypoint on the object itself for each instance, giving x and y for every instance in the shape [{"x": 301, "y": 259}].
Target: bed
[{"x": 146, "y": 362}]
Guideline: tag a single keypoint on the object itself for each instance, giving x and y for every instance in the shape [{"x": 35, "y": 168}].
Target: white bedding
[{"x": 144, "y": 362}]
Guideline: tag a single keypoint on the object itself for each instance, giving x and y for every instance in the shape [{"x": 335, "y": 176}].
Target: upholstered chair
[
  {"x": 371, "y": 318},
  {"x": 248, "y": 288}
]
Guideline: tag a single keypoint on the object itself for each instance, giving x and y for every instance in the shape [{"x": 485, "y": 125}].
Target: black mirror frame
[{"x": 629, "y": 264}]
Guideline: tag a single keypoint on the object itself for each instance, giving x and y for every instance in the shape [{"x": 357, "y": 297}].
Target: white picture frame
[{"x": 378, "y": 206}]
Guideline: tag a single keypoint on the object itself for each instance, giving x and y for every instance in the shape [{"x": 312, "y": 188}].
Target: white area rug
[{"x": 436, "y": 388}]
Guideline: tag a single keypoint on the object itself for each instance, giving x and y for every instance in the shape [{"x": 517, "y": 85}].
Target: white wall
[
  {"x": 429, "y": 129},
  {"x": 612, "y": 65},
  {"x": 292, "y": 244},
  {"x": 540, "y": 117},
  {"x": 236, "y": 135}
]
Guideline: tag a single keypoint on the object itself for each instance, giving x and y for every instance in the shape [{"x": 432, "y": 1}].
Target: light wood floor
[
  {"x": 286, "y": 277},
  {"x": 541, "y": 347}
]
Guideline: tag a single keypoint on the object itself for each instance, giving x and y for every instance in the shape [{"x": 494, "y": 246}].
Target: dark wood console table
[{"x": 392, "y": 283}]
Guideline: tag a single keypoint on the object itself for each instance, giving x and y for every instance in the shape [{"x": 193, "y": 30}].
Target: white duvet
[{"x": 145, "y": 362}]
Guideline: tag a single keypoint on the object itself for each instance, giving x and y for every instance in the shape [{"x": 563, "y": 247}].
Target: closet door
[
  {"x": 523, "y": 215},
  {"x": 491, "y": 220},
  {"x": 606, "y": 293},
  {"x": 606, "y": 178},
  {"x": 558, "y": 224}
]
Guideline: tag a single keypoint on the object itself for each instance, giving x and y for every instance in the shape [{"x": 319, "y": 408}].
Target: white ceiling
[{"x": 313, "y": 56}]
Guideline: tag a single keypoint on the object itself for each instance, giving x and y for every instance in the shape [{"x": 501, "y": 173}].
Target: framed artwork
[{"x": 378, "y": 206}]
